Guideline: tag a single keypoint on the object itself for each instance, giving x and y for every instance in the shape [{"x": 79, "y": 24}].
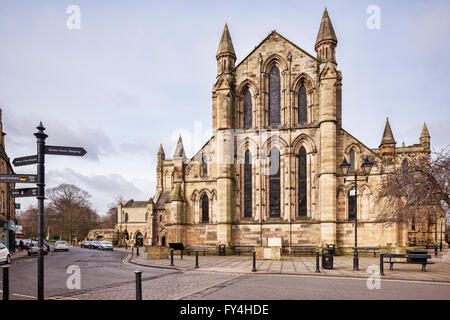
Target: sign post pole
[{"x": 40, "y": 140}]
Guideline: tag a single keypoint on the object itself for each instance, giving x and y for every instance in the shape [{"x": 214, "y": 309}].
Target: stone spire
[
  {"x": 161, "y": 151},
  {"x": 226, "y": 45},
  {"x": 425, "y": 137},
  {"x": 179, "y": 150},
  {"x": 326, "y": 31},
  {"x": 424, "y": 133},
  {"x": 388, "y": 137},
  {"x": 226, "y": 57},
  {"x": 326, "y": 41}
]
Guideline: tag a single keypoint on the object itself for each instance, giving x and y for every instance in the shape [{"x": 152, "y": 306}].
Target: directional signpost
[
  {"x": 24, "y": 161},
  {"x": 38, "y": 192},
  {"x": 18, "y": 178},
  {"x": 19, "y": 193},
  {"x": 65, "y": 151}
]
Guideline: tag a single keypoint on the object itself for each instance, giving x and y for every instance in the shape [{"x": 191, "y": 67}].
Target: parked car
[
  {"x": 94, "y": 245},
  {"x": 33, "y": 248},
  {"x": 4, "y": 254},
  {"x": 61, "y": 245},
  {"x": 85, "y": 244},
  {"x": 105, "y": 245}
]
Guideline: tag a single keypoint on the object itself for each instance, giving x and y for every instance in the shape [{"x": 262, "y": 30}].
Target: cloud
[
  {"x": 20, "y": 130},
  {"x": 104, "y": 189}
]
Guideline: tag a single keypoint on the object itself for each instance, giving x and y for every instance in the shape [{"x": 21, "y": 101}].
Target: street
[{"x": 107, "y": 275}]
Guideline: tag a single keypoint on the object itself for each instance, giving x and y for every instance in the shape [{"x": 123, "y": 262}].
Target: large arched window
[
  {"x": 302, "y": 111},
  {"x": 205, "y": 209},
  {"x": 274, "y": 183},
  {"x": 351, "y": 205},
  {"x": 126, "y": 217},
  {"x": 302, "y": 198},
  {"x": 248, "y": 185},
  {"x": 274, "y": 96},
  {"x": 352, "y": 159},
  {"x": 405, "y": 165},
  {"x": 247, "y": 109}
]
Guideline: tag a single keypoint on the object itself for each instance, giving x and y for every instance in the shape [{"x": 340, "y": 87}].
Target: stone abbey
[{"x": 271, "y": 167}]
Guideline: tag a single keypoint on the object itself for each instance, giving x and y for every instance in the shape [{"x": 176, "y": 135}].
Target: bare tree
[{"x": 416, "y": 191}]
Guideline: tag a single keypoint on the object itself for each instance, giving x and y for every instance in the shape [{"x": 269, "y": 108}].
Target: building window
[
  {"x": 204, "y": 167},
  {"x": 302, "y": 198},
  {"x": 302, "y": 111},
  {"x": 274, "y": 96},
  {"x": 351, "y": 205},
  {"x": 248, "y": 185},
  {"x": 126, "y": 217},
  {"x": 247, "y": 109},
  {"x": 274, "y": 184},
  {"x": 405, "y": 165},
  {"x": 205, "y": 209},
  {"x": 352, "y": 159}
]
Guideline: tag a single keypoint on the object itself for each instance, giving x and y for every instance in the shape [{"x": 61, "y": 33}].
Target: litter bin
[
  {"x": 327, "y": 258},
  {"x": 221, "y": 249},
  {"x": 332, "y": 248}
]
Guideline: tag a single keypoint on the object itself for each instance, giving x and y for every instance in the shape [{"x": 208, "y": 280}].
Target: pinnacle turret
[
  {"x": 326, "y": 41},
  {"x": 388, "y": 137},
  {"x": 226, "y": 45},
  {"x": 179, "y": 150}
]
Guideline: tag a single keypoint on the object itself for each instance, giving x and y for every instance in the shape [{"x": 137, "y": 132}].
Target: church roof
[
  {"x": 226, "y": 45},
  {"x": 326, "y": 31},
  {"x": 388, "y": 137},
  {"x": 161, "y": 203},
  {"x": 137, "y": 204},
  {"x": 274, "y": 32}
]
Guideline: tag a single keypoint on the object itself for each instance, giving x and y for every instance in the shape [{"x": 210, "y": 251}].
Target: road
[
  {"x": 105, "y": 276},
  {"x": 98, "y": 269}
]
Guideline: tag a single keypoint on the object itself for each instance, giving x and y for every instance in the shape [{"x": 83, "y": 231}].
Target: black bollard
[
  {"x": 126, "y": 246},
  {"x": 381, "y": 264},
  {"x": 132, "y": 249},
  {"x": 171, "y": 257},
  {"x": 137, "y": 251},
  {"x": 181, "y": 254},
  {"x": 254, "y": 261},
  {"x": 6, "y": 282},
  {"x": 196, "y": 259},
  {"x": 317, "y": 262},
  {"x": 138, "y": 285}
]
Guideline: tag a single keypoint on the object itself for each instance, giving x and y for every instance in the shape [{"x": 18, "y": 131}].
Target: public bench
[
  {"x": 310, "y": 249},
  {"x": 177, "y": 246},
  {"x": 245, "y": 249},
  {"x": 367, "y": 249},
  {"x": 193, "y": 249},
  {"x": 410, "y": 259}
]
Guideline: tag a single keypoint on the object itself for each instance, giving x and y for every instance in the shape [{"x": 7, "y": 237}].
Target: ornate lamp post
[{"x": 366, "y": 167}]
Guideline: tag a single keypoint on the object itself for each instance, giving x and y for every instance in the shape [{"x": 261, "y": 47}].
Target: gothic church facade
[{"x": 272, "y": 166}]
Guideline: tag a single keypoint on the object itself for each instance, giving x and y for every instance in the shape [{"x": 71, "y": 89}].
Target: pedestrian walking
[{"x": 21, "y": 245}]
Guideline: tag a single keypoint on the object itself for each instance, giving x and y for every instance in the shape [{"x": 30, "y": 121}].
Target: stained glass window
[
  {"x": 248, "y": 185},
  {"x": 247, "y": 109},
  {"x": 274, "y": 96},
  {"x": 302, "y": 112},
  {"x": 302, "y": 198},
  {"x": 205, "y": 209},
  {"x": 274, "y": 183}
]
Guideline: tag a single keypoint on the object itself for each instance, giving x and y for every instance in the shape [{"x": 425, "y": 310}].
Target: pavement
[{"x": 304, "y": 265}]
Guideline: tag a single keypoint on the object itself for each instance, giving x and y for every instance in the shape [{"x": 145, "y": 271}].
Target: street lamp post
[{"x": 366, "y": 167}]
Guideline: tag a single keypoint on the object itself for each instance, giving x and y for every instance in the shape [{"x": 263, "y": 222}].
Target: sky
[{"x": 138, "y": 73}]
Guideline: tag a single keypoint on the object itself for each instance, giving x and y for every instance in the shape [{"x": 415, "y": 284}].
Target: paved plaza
[{"x": 306, "y": 265}]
